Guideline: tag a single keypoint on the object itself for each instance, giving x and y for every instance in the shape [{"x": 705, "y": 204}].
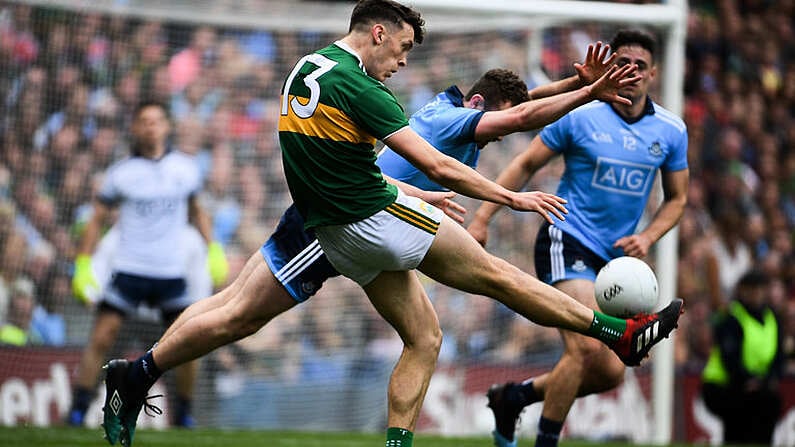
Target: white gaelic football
[{"x": 626, "y": 286}]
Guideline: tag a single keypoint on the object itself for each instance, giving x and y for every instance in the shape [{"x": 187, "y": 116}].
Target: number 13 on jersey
[{"x": 310, "y": 80}]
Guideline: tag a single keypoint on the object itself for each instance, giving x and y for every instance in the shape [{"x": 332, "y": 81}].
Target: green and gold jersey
[{"x": 332, "y": 113}]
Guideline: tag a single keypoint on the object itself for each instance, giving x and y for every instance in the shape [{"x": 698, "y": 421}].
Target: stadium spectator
[
  {"x": 17, "y": 329},
  {"x": 744, "y": 369}
]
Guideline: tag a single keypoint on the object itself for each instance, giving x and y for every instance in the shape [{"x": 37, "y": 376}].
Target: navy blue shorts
[
  {"x": 295, "y": 257},
  {"x": 126, "y": 292},
  {"x": 559, "y": 256}
]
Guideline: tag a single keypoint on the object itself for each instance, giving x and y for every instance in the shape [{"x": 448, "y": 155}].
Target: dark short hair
[
  {"x": 498, "y": 85},
  {"x": 145, "y": 104},
  {"x": 367, "y": 12},
  {"x": 753, "y": 278},
  {"x": 627, "y": 37}
]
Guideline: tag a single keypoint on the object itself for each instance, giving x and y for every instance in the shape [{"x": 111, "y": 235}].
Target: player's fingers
[
  {"x": 629, "y": 80},
  {"x": 589, "y": 54},
  {"x": 556, "y": 199},
  {"x": 453, "y": 214},
  {"x": 456, "y": 206},
  {"x": 559, "y": 203},
  {"x": 556, "y": 213},
  {"x": 604, "y": 51},
  {"x": 629, "y": 70},
  {"x": 546, "y": 215},
  {"x": 622, "y": 100}
]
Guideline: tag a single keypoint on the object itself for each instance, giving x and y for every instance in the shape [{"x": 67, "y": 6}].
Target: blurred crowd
[{"x": 69, "y": 80}]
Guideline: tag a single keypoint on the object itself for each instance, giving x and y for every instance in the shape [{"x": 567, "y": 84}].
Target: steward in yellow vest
[{"x": 741, "y": 378}]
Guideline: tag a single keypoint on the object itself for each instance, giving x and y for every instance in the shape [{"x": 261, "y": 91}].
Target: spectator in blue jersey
[
  {"x": 155, "y": 191},
  {"x": 612, "y": 152},
  {"x": 291, "y": 265}
]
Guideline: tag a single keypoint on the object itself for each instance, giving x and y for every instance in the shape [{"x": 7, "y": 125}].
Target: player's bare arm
[
  {"x": 200, "y": 218},
  {"x": 675, "y": 186},
  {"x": 537, "y": 113},
  {"x": 452, "y": 174},
  {"x": 93, "y": 229},
  {"x": 514, "y": 177}
]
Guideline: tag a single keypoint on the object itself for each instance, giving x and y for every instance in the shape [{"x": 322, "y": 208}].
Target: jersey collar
[
  {"x": 347, "y": 48},
  {"x": 648, "y": 109},
  {"x": 455, "y": 96}
]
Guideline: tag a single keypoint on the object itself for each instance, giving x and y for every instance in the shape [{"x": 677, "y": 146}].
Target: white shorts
[{"x": 393, "y": 239}]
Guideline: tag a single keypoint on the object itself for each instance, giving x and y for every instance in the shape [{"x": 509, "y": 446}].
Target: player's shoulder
[
  {"x": 121, "y": 165},
  {"x": 180, "y": 156},
  {"x": 669, "y": 118}
]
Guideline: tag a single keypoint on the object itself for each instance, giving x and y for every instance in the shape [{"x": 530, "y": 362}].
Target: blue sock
[
  {"x": 143, "y": 372},
  {"x": 528, "y": 394},
  {"x": 548, "y": 432},
  {"x": 81, "y": 399}
]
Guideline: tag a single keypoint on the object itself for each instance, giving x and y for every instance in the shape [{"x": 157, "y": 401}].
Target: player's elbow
[{"x": 441, "y": 170}]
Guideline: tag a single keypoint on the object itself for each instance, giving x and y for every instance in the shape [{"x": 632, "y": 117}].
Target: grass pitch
[{"x": 84, "y": 437}]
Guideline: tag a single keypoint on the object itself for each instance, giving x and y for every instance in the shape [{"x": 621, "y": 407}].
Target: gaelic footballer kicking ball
[{"x": 626, "y": 286}]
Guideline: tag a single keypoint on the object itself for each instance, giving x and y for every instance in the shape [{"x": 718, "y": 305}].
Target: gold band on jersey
[
  {"x": 326, "y": 122},
  {"x": 407, "y": 214}
]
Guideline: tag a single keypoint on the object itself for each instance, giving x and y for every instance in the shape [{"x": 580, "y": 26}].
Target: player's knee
[
  {"x": 612, "y": 371},
  {"x": 242, "y": 324},
  {"x": 605, "y": 367},
  {"x": 588, "y": 352}
]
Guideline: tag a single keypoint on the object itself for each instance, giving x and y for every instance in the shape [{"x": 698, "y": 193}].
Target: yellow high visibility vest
[{"x": 760, "y": 344}]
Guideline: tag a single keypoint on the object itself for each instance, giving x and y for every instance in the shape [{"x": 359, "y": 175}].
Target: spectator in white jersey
[{"x": 155, "y": 191}]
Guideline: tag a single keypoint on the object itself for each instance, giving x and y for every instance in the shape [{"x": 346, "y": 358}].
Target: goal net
[{"x": 70, "y": 74}]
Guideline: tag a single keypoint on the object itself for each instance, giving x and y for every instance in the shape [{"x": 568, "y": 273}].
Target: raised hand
[
  {"x": 606, "y": 88},
  {"x": 596, "y": 63},
  {"x": 542, "y": 203}
]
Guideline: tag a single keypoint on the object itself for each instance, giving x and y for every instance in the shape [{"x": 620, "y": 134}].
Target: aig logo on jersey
[{"x": 622, "y": 177}]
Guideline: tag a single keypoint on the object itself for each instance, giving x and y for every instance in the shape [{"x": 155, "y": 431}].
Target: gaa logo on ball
[{"x": 626, "y": 286}]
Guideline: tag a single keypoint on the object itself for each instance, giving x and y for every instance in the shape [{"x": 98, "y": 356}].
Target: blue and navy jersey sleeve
[
  {"x": 677, "y": 158},
  {"x": 557, "y": 136},
  {"x": 455, "y": 126}
]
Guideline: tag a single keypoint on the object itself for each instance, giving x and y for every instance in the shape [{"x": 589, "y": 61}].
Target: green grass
[{"x": 79, "y": 437}]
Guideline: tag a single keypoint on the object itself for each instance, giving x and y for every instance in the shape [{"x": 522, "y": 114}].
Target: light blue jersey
[
  {"x": 610, "y": 168},
  {"x": 449, "y": 127}
]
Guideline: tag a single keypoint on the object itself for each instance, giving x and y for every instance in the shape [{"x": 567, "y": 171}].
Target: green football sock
[
  {"x": 606, "y": 328},
  {"x": 398, "y": 437}
]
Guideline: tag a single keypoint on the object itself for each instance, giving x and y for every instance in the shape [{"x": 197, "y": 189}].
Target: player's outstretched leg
[
  {"x": 644, "y": 331},
  {"x": 123, "y": 403}
]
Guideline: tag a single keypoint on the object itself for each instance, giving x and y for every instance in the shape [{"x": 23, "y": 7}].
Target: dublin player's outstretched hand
[
  {"x": 596, "y": 63},
  {"x": 606, "y": 88}
]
